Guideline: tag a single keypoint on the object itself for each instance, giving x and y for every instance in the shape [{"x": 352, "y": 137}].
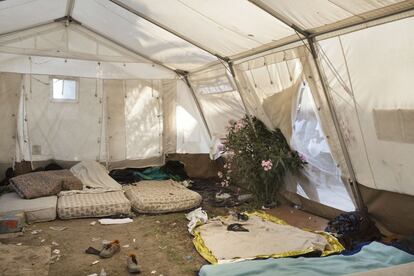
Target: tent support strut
[
  {"x": 353, "y": 180},
  {"x": 200, "y": 110}
]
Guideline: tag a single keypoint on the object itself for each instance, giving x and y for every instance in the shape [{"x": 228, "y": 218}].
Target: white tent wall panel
[
  {"x": 192, "y": 136},
  {"x": 143, "y": 119},
  {"x": 380, "y": 78},
  {"x": 67, "y": 131},
  {"x": 9, "y": 102},
  {"x": 169, "y": 100}
]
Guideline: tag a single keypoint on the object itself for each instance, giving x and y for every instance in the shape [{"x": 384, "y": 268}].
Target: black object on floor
[
  {"x": 92, "y": 251},
  {"x": 236, "y": 227}
]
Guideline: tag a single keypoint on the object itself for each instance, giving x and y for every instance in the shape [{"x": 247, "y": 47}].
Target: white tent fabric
[
  {"x": 134, "y": 32},
  {"x": 372, "y": 83},
  {"x": 129, "y": 56},
  {"x": 236, "y": 26}
]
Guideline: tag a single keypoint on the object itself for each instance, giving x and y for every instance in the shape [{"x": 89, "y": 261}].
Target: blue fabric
[{"x": 372, "y": 256}]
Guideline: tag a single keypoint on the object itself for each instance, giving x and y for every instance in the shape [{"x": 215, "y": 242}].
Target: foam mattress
[
  {"x": 84, "y": 205},
  {"x": 161, "y": 197},
  {"x": 36, "y": 210}
]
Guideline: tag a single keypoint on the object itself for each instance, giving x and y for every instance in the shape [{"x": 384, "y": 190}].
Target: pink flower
[{"x": 267, "y": 165}]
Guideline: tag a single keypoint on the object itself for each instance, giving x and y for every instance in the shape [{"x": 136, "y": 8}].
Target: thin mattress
[
  {"x": 92, "y": 204},
  {"x": 36, "y": 210},
  {"x": 161, "y": 197}
]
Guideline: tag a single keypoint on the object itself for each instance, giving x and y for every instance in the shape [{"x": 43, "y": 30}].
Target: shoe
[
  {"x": 110, "y": 249},
  {"x": 132, "y": 264},
  {"x": 236, "y": 227},
  {"x": 92, "y": 251}
]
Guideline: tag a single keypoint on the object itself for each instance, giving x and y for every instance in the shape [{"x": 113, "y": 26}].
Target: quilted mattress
[
  {"x": 161, "y": 197},
  {"x": 36, "y": 210},
  {"x": 84, "y": 205}
]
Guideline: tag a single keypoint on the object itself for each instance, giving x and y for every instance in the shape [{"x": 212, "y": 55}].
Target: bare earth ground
[{"x": 162, "y": 242}]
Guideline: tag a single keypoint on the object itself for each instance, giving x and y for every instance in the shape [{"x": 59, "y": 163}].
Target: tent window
[
  {"x": 214, "y": 85},
  {"x": 64, "y": 90}
]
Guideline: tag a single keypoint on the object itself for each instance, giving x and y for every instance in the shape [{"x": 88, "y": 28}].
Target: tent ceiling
[{"x": 189, "y": 34}]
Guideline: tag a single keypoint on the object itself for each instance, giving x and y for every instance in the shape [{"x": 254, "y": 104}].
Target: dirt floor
[{"x": 162, "y": 243}]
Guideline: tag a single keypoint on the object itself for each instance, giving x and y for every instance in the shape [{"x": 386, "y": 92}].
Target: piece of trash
[
  {"x": 93, "y": 223},
  {"x": 244, "y": 197},
  {"x": 310, "y": 218},
  {"x": 115, "y": 221},
  {"x": 126, "y": 245},
  {"x": 95, "y": 239},
  {"x": 93, "y": 274},
  {"x": 162, "y": 247},
  {"x": 153, "y": 272},
  {"x": 133, "y": 240},
  {"x": 222, "y": 196},
  {"x": 56, "y": 251},
  {"x": 158, "y": 221},
  {"x": 18, "y": 244},
  {"x": 103, "y": 273},
  {"x": 42, "y": 240},
  {"x": 174, "y": 224},
  {"x": 35, "y": 232},
  {"x": 95, "y": 262},
  {"x": 57, "y": 228},
  {"x": 298, "y": 207},
  {"x": 105, "y": 242},
  {"x": 196, "y": 217},
  {"x": 55, "y": 243},
  {"x": 54, "y": 258}
]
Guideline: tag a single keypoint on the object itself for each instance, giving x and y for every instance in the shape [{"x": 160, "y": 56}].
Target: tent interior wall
[{"x": 151, "y": 83}]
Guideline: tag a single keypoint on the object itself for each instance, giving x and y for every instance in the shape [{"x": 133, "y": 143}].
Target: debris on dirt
[
  {"x": 55, "y": 243},
  {"x": 93, "y": 223},
  {"x": 56, "y": 251},
  {"x": 115, "y": 221},
  {"x": 58, "y": 228},
  {"x": 103, "y": 272},
  {"x": 158, "y": 221},
  {"x": 126, "y": 245},
  {"x": 18, "y": 244},
  {"x": 95, "y": 239},
  {"x": 153, "y": 272},
  {"x": 42, "y": 240},
  {"x": 93, "y": 274},
  {"x": 95, "y": 262},
  {"x": 196, "y": 217},
  {"x": 35, "y": 232},
  {"x": 133, "y": 240}
]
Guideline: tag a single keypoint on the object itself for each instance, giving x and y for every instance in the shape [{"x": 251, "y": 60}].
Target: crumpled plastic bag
[{"x": 196, "y": 218}]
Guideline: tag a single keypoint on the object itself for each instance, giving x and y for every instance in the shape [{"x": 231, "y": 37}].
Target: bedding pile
[
  {"x": 260, "y": 236},
  {"x": 44, "y": 183},
  {"x": 371, "y": 258},
  {"x": 161, "y": 197}
]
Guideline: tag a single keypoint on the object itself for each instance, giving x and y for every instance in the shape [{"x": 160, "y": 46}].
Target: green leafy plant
[{"x": 257, "y": 159}]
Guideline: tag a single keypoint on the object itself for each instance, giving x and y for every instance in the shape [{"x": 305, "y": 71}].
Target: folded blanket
[
  {"x": 94, "y": 176},
  {"x": 45, "y": 183}
]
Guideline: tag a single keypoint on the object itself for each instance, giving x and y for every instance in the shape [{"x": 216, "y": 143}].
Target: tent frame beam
[
  {"x": 353, "y": 180},
  {"x": 248, "y": 54},
  {"x": 167, "y": 29},
  {"x": 197, "y": 102}
]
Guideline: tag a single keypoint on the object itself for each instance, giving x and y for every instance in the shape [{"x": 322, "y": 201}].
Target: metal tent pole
[
  {"x": 353, "y": 180},
  {"x": 200, "y": 110}
]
